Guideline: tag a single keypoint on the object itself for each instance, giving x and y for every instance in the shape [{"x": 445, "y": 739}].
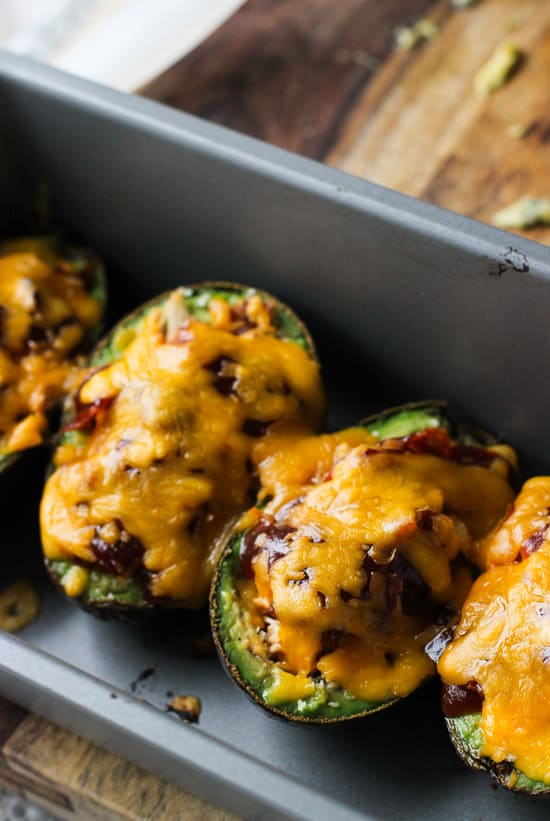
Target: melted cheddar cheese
[
  {"x": 46, "y": 311},
  {"x": 503, "y": 639},
  {"x": 352, "y": 560},
  {"x": 166, "y": 466},
  {"x": 524, "y": 529}
]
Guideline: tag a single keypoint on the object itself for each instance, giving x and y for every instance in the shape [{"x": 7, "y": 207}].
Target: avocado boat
[
  {"x": 496, "y": 668},
  {"x": 52, "y": 297},
  {"x": 154, "y": 456},
  {"x": 354, "y": 557}
]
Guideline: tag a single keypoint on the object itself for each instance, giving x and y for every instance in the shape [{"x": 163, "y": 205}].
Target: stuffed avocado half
[
  {"x": 52, "y": 298},
  {"x": 496, "y": 669},
  {"x": 356, "y": 553},
  {"x": 154, "y": 458}
]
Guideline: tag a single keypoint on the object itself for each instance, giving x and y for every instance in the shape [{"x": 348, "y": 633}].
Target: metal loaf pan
[{"x": 407, "y": 301}]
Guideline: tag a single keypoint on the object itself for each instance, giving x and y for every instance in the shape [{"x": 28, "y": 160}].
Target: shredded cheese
[
  {"x": 166, "y": 465},
  {"x": 46, "y": 310},
  {"x": 503, "y": 639},
  {"x": 351, "y": 530}
]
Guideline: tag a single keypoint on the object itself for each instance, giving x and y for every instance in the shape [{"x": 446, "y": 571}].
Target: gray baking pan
[{"x": 407, "y": 301}]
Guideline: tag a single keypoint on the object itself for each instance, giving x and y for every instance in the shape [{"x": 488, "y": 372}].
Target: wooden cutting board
[{"x": 322, "y": 78}]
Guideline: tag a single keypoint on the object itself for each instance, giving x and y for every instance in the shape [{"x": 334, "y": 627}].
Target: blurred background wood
[{"x": 324, "y": 79}]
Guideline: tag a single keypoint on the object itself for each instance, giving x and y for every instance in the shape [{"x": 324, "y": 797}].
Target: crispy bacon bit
[
  {"x": 240, "y": 319},
  {"x": 436, "y": 646},
  {"x": 323, "y": 601},
  {"x": 436, "y": 441},
  {"x": 430, "y": 440},
  {"x": 38, "y": 336},
  {"x": 403, "y": 583},
  {"x": 345, "y": 596},
  {"x": 239, "y": 311},
  {"x": 256, "y": 427},
  {"x": 330, "y": 640},
  {"x": 225, "y": 383},
  {"x": 461, "y": 700},
  {"x": 89, "y": 416},
  {"x": 425, "y": 519},
  {"x": 275, "y": 543},
  {"x": 534, "y": 541},
  {"x": 471, "y": 455},
  {"x": 123, "y": 558}
]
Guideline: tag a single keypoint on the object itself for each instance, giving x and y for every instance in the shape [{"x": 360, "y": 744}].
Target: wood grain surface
[
  {"x": 72, "y": 778},
  {"x": 288, "y": 72},
  {"x": 323, "y": 78}
]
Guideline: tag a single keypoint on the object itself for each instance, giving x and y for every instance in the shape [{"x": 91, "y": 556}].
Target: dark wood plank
[{"x": 286, "y": 71}]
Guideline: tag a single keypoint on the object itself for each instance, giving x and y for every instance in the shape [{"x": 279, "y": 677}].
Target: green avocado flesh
[
  {"x": 467, "y": 736},
  {"x": 107, "y": 588},
  {"x": 103, "y": 587},
  {"x": 235, "y": 635},
  {"x": 197, "y": 301},
  {"x": 81, "y": 258},
  {"x": 407, "y": 421},
  {"x": 257, "y": 675}
]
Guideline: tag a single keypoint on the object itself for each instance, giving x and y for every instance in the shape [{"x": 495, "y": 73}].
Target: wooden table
[{"x": 322, "y": 78}]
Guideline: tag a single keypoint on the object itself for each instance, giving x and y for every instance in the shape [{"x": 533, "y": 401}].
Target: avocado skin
[
  {"x": 107, "y": 596},
  {"x": 249, "y": 671},
  {"x": 467, "y": 737},
  {"x": 243, "y": 666},
  {"x": 405, "y": 420},
  {"x": 81, "y": 257}
]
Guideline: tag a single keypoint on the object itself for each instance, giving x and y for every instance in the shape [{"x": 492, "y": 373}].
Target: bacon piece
[{"x": 89, "y": 416}]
